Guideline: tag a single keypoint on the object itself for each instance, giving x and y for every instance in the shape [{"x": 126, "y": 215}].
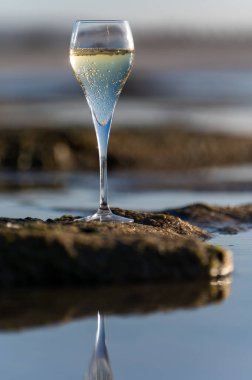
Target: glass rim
[{"x": 102, "y": 21}]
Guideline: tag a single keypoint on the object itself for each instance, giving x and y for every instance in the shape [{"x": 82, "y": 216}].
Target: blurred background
[
  {"x": 193, "y": 63},
  {"x": 188, "y": 96}
]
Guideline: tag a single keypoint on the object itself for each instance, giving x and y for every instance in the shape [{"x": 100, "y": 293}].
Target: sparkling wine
[
  {"x": 102, "y": 74},
  {"x": 101, "y": 55}
]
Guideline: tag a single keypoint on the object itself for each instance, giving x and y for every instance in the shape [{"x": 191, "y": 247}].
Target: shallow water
[
  {"x": 49, "y": 195},
  {"x": 209, "y": 342}
]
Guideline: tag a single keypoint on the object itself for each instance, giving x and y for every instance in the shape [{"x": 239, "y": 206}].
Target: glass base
[{"x": 105, "y": 217}]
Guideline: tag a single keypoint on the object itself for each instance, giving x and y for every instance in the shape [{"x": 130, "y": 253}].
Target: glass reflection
[{"x": 99, "y": 367}]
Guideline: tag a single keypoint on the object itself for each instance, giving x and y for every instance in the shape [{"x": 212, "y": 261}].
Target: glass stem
[
  {"x": 102, "y": 134},
  {"x": 103, "y": 184}
]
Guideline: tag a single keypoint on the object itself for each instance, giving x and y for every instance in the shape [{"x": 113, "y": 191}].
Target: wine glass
[{"x": 101, "y": 55}]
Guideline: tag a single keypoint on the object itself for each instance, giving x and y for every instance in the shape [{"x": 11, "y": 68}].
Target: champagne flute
[{"x": 101, "y": 55}]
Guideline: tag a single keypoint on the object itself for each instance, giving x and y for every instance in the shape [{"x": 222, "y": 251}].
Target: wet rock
[
  {"x": 227, "y": 220},
  {"x": 230, "y": 230},
  {"x": 21, "y": 309},
  {"x": 157, "y": 247},
  {"x": 73, "y": 148}
]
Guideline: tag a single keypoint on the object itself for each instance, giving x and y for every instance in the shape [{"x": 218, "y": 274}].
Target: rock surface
[
  {"x": 157, "y": 247},
  {"x": 226, "y": 220}
]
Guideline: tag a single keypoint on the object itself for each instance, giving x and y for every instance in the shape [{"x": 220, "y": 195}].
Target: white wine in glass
[{"x": 101, "y": 55}]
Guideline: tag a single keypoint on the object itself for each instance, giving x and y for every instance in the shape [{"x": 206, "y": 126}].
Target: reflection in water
[
  {"x": 32, "y": 308},
  {"x": 99, "y": 368}
]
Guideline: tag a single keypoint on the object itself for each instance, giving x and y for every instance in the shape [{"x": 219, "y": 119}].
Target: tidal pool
[{"x": 194, "y": 341}]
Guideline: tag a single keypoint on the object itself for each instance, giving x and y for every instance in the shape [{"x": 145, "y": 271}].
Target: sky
[{"x": 203, "y": 14}]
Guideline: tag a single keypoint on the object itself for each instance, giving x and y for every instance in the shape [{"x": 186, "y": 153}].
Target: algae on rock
[{"x": 157, "y": 247}]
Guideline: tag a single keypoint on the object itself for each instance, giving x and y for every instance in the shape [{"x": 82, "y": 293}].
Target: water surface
[{"x": 208, "y": 342}]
